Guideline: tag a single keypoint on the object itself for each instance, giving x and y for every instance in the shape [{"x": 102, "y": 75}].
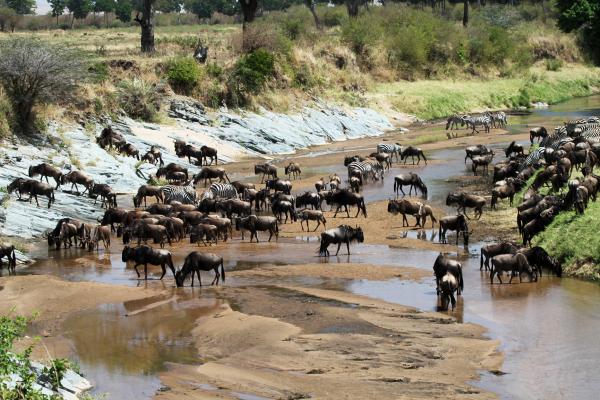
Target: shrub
[
  {"x": 140, "y": 99},
  {"x": 332, "y": 16},
  {"x": 99, "y": 72},
  {"x": 183, "y": 74},
  {"x": 34, "y": 73},
  {"x": 491, "y": 46},
  {"x": 296, "y": 22},
  {"x": 253, "y": 70},
  {"x": 214, "y": 70},
  {"x": 552, "y": 64},
  {"x": 359, "y": 34}
]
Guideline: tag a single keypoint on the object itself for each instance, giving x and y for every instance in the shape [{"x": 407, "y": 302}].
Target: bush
[
  {"x": 491, "y": 46},
  {"x": 99, "y": 72},
  {"x": 553, "y": 64},
  {"x": 140, "y": 99},
  {"x": 332, "y": 16},
  {"x": 183, "y": 74},
  {"x": 214, "y": 70},
  {"x": 250, "y": 74},
  {"x": 296, "y": 22}
]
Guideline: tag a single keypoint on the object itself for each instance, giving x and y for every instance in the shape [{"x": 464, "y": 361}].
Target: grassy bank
[
  {"x": 574, "y": 240},
  {"x": 430, "y": 99}
]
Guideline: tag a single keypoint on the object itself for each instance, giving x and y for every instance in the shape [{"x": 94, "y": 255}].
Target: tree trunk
[
  {"x": 25, "y": 117},
  {"x": 57, "y": 21},
  {"x": 352, "y": 6},
  {"x": 147, "y": 25},
  {"x": 72, "y": 21},
  {"x": 465, "y": 13},
  {"x": 249, "y": 8},
  {"x": 311, "y": 6}
]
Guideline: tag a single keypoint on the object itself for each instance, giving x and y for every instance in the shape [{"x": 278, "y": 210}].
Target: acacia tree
[
  {"x": 57, "y": 8},
  {"x": 123, "y": 10},
  {"x": 582, "y": 16},
  {"x": 312, "y": 5},
  {"x": 104, "y": 6},
  {"x": 145, "y": 17},
  {"x": 33, "y": 73},
  {"x": 22, "y": 7},
  {"x": 79, "y": 9},
  {"x": 8, "y": 17},
  {"x": 249, "y": 8}
]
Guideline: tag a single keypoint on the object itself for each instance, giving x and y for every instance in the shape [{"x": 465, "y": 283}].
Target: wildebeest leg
[
  {"x": 136, "y": 270},
  {"x": 216, "y": 278},
  {"x": 404, "y": 220},
  {"x": 317, "y": 227},
  {"x": 336, "y": 210},
  {"x": 338, "y": 249},
  {"x": 403, "y": 194},
  {"x": 199, "y": 279},
  {"x": 164, "y": 270},
  {"x": 36, "y": 199},
  {"x": 348, "y": 247},
  {"x": 357, "y": 212},
  {"x": 46, "y": 176}
]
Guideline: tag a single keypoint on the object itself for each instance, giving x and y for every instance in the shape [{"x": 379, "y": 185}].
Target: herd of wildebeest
[{"x": 179, "y": 212}]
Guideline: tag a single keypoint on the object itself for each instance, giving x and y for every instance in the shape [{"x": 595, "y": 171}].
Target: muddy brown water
[{"x": 548, "y": 330}]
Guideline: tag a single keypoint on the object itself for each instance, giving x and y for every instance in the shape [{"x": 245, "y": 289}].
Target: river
[{"x": 548, "y": 330}]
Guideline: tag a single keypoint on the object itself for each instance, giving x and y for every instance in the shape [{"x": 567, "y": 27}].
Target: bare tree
[{"x": 33, "y": 73}]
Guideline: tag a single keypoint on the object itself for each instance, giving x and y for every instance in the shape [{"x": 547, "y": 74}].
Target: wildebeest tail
[
  {"x": 222, "y": 271},
  {"x": 481, "y": 259},
  {"x": 363, "y": 207},
  {"x": 14, "y": 257}
]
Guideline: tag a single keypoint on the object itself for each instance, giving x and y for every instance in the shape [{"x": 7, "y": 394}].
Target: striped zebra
[
  {"x": 498, "y": 119},
  {"x": 580, "y": 129},
  {"x": 560, "y": 133},
  {"x": 390, "y": 149},
  {"x": 482, "y": 120},
  {"x": 220, "y": 191},
  {"x": 365, "y": 169},
  {"x": 534, "y": 157},
  {"x": 453, "y": 121},
  {"x": 183, "y": 194},
  {"x": 571, "y": 125},
  {"x": 592, "y": 134}
]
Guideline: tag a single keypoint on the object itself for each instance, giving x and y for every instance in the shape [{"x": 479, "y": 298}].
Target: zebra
[
  {"x": 483, "y": 120},
  {"x": 454, "y": 120},
  {"x": 580, "y": 129},
  {"x": 365, "y": 169},
  {"x": 571, "y": 125},
  {"x": 390, "y": 149},
  {"x": 560, "y": 133},
  {"x": 220, "y": 191},
  {"x": 498, "y": 119},
  {"x": 534, "y": 157},
  {"x": 592, "y": 133},
  {"x": 183, "y": 194}
]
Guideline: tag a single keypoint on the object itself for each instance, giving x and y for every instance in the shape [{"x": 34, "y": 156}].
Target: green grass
[
  {"x": 431, "y": 99},
  {"x": 574, "y": 240}
]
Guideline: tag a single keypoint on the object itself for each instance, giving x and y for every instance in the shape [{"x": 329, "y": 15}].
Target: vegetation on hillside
[{"x": 399, "y": 57}]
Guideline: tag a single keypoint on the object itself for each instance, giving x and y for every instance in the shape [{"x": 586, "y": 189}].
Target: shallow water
[{"x": 548, "y": 329}]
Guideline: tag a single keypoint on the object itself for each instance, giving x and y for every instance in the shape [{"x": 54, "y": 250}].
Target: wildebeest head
[
  {"x": 126, "y": 253},
  {"x": 178, "y": 278}
]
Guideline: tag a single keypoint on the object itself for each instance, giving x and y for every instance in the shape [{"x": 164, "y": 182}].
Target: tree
[
  {"x": 79, "y": 9},
  {"x": 465, "y": 20},
  {"x": 123, "y": 10},
  {"x": 34, "y": 73},
  {"x": 201, "y": 8},
  {"x": 311, "y": 4},
  {"x": 57, "y": 8},
  {"x": 170, "y": 6},
  {"x": 248, "y": 11},
  {"x": 22, "y": 7},
  {"x": 145, "y": 17},
  {"x": 8, "y": 17},
  {"x": 104, "y": 6},
  {"x": 584, "y": 16}
]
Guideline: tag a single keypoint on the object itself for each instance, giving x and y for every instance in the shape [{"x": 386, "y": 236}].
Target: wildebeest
[
  {"x": 419, "y": 210},
  {"x": 44, "y": 170},
  {"x": 109, "y": 138},
  {"x": 67, "y": 235},
  {"x": 350, "y": 159},
  {"x": 464, "y": 201},
  {"x": 224, "y": 226},
  {"x": 334, "y": 181},
  {"x": 413, "y": 181},
  {"x": 539, "y": 258},
  {"x": 279, "y": 185},
  {"x": 293, "y": 169},
  {"x": 344, "y": 198},
  {"x": 476, "y": 150},
  {"x": 456, "y": 223},
  {"x": 267, "y": 170},
  {"x": 284, "y": 207},
  {"x": 513, "y": 148},
  {"x": 311, "y": 215},
  {"x": 539, "y": 133},
  {"x": 448, "y": 286},
  {"x": 512, "y": 263},
  {"x": 106, "y": 193},
  {"x": 129, "y": 150},
  {"x": 453, "y": 122},
  {"x": 233, "y": 206},
  {"x": 170, "y": 169},
  {"x": 182, "y": 149},
  {"x": 204, "y": 233},
  {"x": 413, "y": 152},
  {"x": 8, "y": 251},
  {"x": 210, "y": 173},
  {"x": 341, "y": 234},
  {"x": 391, "y": 149},
  {"x": 196, "y": 262},
  {"x": 145, "y": 255},
  {"x": 77, "y": 178},
  {"x": 355, "y": 183},
  {"x": 113, "y": 216},
  {"x": 503, "y": 171},
  {"x": 147, "y": 191},
  {"x": 255, "y": 224},
  {"x": 383, "y": 159},
  {"x": 209, "y": 153},
  {"x": 98, "y": 233},
  {"x": 538, "y": 224},
  {"x": 444, "y": 265},
  {"x": 503, "y": 192},
  {"x": 308, "y": 199},
  {"x": 483, "y": 161},
  {"x": 33, "y": 188},
  {"x": 241, "y": 186},
  {"x": 490, "y": 250},
  {"x": 144, "y": 231}
]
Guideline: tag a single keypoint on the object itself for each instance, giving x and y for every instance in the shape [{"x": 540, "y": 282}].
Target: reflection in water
[{"x": 122, "y": 346}]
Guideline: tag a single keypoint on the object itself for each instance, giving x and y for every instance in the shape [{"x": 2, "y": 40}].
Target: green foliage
[
  {"x": 99, "y": 72},
  {"x": 79, "y": 8},
  {"x": 359, "y": 34},
  {"x": 183, "y": 74},
  {"x": 184, "y": 41},
  {"x": 123, "y": 10},
  {"x": 553, "y": 64},
  {"x": 214, "y": 70},
  {"x": 491, "y": 46},
  {"x": 582, "y": 16},
  {"x": 57, "y": 7},
  {"x": 56, "y": 371},
  {"x": 140, "y": 99},
  {"x": 22, "y": 7},
  {"x": 250, "y": 74},
  {"x": 332, "y": 16}
]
